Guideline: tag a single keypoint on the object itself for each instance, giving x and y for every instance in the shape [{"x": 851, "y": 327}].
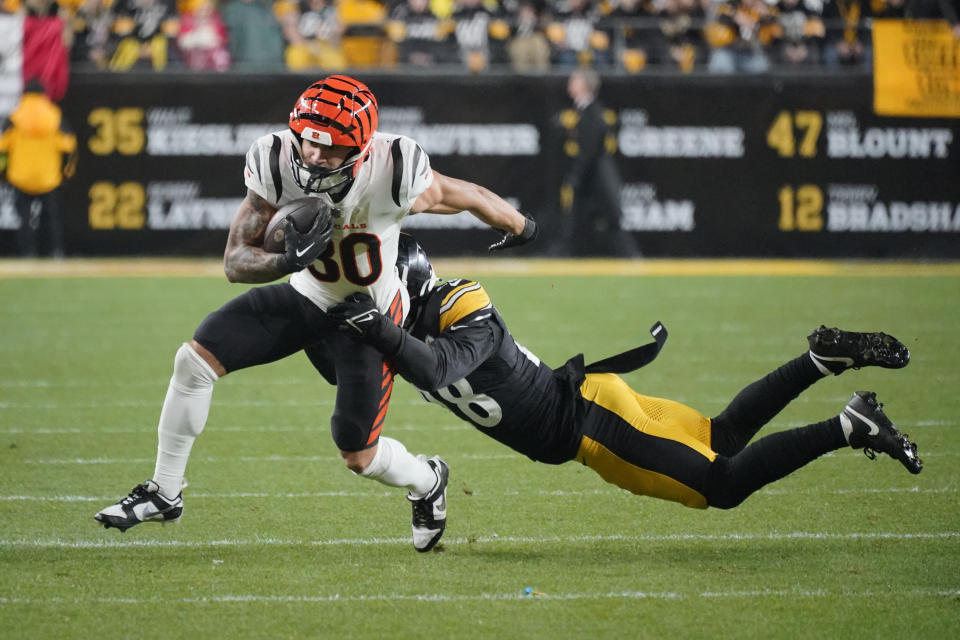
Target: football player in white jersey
[{"x": 367, "y": 181}]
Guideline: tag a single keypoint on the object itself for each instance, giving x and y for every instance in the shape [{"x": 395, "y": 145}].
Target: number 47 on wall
[{"x": 782, "y": 134}]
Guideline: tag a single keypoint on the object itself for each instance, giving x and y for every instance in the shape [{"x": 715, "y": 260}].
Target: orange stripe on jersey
[
  {"x": 374, "y": 435},
  {"x": 395, "y": 312},
  {"x": 461, "y": 302},
  {"x": 387, "y": 388},
  {"x": 384, "y": 403}
]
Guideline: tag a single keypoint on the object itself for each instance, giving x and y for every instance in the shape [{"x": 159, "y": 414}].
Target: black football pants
[{"x": 269, "y": 323}]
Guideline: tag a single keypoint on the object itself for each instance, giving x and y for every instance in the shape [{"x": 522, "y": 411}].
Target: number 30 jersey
[
  {"x": 366, "y": 224},
  {"x": 464, "y": 358}
]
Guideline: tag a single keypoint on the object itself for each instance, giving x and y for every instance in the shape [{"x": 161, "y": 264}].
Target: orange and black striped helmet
[{"x": 338, "y": 110}]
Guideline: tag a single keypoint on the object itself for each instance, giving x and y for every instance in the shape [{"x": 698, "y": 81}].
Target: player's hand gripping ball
[{"x": 300, "y": 230}]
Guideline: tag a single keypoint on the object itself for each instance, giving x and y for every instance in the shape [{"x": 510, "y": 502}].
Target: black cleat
[
  {"x": 430, "y": 511},
  {"x": 867, "y": 427},
  {"x": 834, "y": 350},
  {"x": 143, "y": 504}
]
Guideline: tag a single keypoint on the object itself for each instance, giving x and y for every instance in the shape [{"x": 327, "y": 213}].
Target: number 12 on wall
[{"x": 801, "y": 209}]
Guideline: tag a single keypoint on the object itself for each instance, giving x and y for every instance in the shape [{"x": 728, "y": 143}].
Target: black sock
[
  {"x": 759, "y": 402},
  {"x": 768, "y": 459}
]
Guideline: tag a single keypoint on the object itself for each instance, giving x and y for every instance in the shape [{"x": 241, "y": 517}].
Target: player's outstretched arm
[
  {"x": 451, "y": 356},
  {"x": 244, "y": 259},
  {"x": 450, "y": 195}
]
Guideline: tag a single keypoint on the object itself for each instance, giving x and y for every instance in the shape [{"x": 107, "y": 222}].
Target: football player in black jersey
[{"x": 455, "y": 348}]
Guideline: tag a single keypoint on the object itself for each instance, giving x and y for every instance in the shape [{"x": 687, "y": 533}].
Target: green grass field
[{"x": 279, "y": 540}]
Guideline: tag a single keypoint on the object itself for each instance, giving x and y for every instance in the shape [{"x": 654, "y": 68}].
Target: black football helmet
[{"x": 416, "y": 273}]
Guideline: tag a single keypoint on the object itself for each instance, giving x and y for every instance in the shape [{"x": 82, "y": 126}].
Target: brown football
[{"x": 303, "y": 211}]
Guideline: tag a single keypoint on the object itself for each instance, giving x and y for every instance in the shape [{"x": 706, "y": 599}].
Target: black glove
[
  {"x": 303, "y": 248},
  {"x": 359, "y": 316},
  {"x": 509, "y": 240},
  {"x": 356, "y": 315}
]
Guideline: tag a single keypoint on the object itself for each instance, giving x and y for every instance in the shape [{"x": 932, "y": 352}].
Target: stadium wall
[{"x": 786, "y": 166}]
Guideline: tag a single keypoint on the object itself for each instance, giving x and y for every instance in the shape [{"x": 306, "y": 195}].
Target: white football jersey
[{"x": 366, "y": 224}]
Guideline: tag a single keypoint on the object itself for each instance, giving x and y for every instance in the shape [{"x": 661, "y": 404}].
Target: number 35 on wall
[{"x": 117, "y": 130}]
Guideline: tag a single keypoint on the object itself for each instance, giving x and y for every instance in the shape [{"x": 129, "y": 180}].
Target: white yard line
[
  {"x": 114, "y": 543},
  {"x": 311, "y": 495},
  {"x": 216, "y": 459},
  {"x": 287, "y": 459},
  {"x": 152, "y": 429},
  {"x": 310, "y": 429},
  {"x": 491, "y": 597}
]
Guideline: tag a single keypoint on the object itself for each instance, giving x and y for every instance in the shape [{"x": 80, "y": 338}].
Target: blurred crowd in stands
[{"x": 718, "y": 36}]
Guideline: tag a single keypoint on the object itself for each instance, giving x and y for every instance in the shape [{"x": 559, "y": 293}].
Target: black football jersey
[{"x": 469, "y": 363}]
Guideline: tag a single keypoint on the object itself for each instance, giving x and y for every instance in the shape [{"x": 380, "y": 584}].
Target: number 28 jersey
[
  {"x": 366, "y": 224},
  {"x": 464, "y": 358}
]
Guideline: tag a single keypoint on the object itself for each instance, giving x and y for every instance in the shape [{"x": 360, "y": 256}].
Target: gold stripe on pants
[{"x": 648, "y": 446}]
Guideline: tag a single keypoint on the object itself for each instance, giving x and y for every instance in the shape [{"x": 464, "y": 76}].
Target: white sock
[
  {"x": 394, "y": 466},
  {"x": 182, "y": 418}
]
